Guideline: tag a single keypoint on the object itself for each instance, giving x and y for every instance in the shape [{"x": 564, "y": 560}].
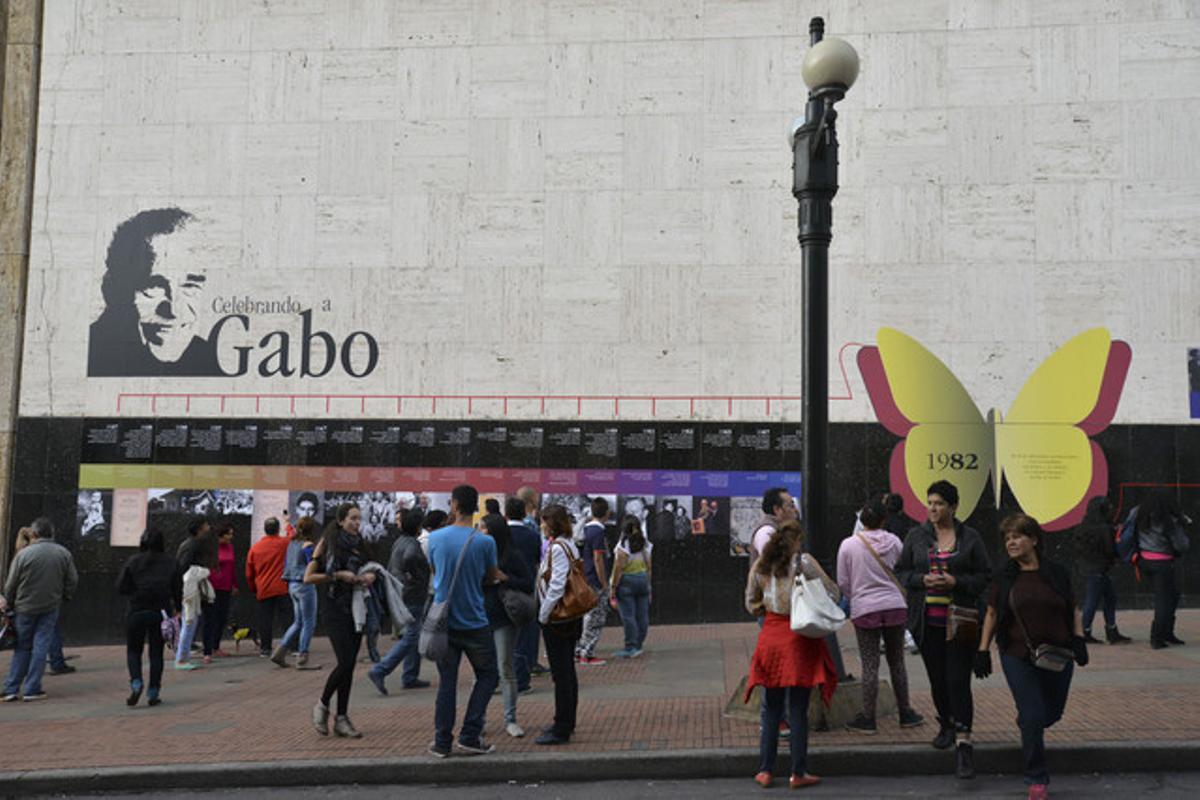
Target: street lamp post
[{"x": 829, "y": 69}]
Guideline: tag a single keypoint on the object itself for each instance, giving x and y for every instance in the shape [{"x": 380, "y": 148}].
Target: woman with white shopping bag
[{"x": 798, "y": 603}]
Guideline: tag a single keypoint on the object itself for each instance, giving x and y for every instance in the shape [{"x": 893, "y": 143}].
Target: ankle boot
[
  {"x": 1114, "y": 636},
  {"x": 320, "y": 718},
  {"x": 280, "y": 656},
  {"x": 343, "y": 727},
  {"x": 1087, "y": 637},
  {"x": 965, "y": 768},
  {"x": 945, "y": 735}
]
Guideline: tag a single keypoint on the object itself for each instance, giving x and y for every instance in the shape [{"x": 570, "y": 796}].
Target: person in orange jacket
[{"x": 264, "y": 576}]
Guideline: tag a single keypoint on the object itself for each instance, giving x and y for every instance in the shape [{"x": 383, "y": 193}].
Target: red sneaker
[
  {"x": 592, "y": 661},
  {"x": 1038, "y": 791},
  {"x": 220, "y": 654},
  {"x": 764, "y": 779}
]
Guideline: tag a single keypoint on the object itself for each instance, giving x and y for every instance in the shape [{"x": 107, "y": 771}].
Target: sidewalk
[{"x": 249, "y": 720}]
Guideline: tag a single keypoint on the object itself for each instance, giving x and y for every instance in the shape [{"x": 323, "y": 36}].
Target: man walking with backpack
[
  {"x": 462, "y": 558},
  {"x": 409, "y": 565}
]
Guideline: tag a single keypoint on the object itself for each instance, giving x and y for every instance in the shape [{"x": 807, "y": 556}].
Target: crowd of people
[{"x": 497, "y": 584}]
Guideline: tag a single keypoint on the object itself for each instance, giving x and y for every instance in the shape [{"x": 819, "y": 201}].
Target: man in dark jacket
[
  {"x": 1096, "y": 553},
  {"x": 529, "y": 544},
  {"x": 411, "y": 568}
]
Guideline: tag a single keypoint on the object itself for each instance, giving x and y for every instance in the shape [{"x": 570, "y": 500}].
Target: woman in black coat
[{"x": 944, "y": 569}]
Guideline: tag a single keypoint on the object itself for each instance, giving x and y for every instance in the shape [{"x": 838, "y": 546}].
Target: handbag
[
  {"x": 814, "y": 613},
  {"x": 962, "y": 625},
  {"x": 1049, "y": 657},
  {"x": 434, "y": 642},
  {"x": 578, "y": 595},
  {"x": 882, "y": 565},
  {"x": 520, "y": 607}
]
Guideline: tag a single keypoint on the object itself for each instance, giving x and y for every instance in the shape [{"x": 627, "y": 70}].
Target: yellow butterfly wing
[
  {"x": 916, "y": 396},
  {"x": 1042, "y": 446}
]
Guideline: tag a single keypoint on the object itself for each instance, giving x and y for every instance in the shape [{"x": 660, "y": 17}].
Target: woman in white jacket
[{"x": 560, "y": 637}]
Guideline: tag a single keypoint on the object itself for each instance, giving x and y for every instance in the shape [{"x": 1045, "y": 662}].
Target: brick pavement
[{"x": 243, "y": 709}]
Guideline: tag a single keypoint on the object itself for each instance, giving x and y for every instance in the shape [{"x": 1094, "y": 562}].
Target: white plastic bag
[{"x": 814, "y": 614}]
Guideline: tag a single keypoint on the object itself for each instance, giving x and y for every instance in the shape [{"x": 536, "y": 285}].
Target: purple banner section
[
  {"x": 599, "y": 481},
  {"x": 639, "y": 481},
  {"x": 672, "y": 482}
]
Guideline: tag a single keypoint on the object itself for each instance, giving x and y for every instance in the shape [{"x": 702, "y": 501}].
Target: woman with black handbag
[
  {"x": 944, "y": 569},
  {"x": 559, "y": 602},
  {"x": 1039, "y": 633},
  {"x": 501, "y": 605}
]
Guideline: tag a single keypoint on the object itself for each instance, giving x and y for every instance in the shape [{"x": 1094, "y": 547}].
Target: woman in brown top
[{"x": 1031, "y": 604}]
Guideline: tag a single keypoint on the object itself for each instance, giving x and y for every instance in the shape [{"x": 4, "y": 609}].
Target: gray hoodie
[{"x": 41, "y": 577}]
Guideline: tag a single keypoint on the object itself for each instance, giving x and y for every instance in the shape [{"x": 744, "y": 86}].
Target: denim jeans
[
  {"x": 1041, "y": 696},
  {"x": 526, "y": 655},
  {"x": 35, "y": 633},
  {"x": 1099, "y": 588},
  {"x": 405, "y": 651},
  {"x": 633, "y": 597},
  {"x": 505, "y": 638},
  {"x": 304, "y": 616},
  {"x": 56, "y": 658},
  {"x": 795, "y": 698},
  {"x": 374, "y": 622},
  {"x": 187, "y": 632},
  {"x": 481, "y": 652}
]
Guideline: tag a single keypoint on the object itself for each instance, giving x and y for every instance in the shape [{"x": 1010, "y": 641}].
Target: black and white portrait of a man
[{"x": 153, "y": 288}]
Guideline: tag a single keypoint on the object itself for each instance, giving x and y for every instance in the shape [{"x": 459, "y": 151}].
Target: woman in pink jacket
[{"x": 877, "y": 607}]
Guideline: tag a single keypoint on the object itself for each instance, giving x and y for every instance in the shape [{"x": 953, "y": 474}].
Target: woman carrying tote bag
[
  {"x": 563, "y": 603},
  {"x": 785, "y": 664}
]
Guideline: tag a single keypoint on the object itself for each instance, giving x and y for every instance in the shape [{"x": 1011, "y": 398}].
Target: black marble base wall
[{"x": 696, "y": 580}]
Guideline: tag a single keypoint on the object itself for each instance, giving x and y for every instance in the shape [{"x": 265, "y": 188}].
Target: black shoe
[
  {"x": 862, "y": 724},
  {"x": 65, "y": 669},
  {"x": 437, "y": 751},
  {"x": 552, "y": 738},
  {"x": 1114, "y": 636},
  {"x": 1173, "y": 639},
  {"x": 135, "y": 693},
  {"x": 965, "y": 769},
  {"x": 1158, "y": 644},
  {"x": 945, "y": 737},
  {"x": 910, "y": 718},
  {"x": 1087, "y": 637},
  {"x": 417, "y": 684},
  {"x": 475, "y": 748}
]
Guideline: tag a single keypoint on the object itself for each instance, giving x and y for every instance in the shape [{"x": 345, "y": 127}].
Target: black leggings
[
  {"x": 144, "y": 627},
  {"x": 346, "y": 642},
  {"x": 560, "y": 653},
  {"x": 215, "y": 617},
  {"x": 948, "y": 666}
]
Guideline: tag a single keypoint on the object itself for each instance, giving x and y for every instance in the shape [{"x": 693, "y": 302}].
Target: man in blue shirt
[
  {"x": 468, "y": 623},
  {"x": 593, "y": 553}
]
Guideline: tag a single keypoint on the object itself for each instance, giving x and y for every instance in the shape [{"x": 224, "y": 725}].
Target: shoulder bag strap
[
  {"x": 461, "y": 555},
  {"x": 882, "y": 565}
]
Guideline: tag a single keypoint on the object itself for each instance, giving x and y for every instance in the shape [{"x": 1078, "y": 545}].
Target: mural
[{"x": 1042, "y": 448}]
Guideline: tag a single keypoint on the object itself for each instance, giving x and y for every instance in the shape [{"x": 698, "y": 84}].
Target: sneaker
[
  {"x": 538, "y": 670},
  {"x": 626, "y": 653},
  {"x": 525, "y": 690},
  {"x": 152, "y": 698},
  {"x": 280, "y": 656},
  {"x": 637, "y": 653},
  {"x": 862, "y": 724},
  {"x": 344, "y": 728},
  {"x": 65, "y": 669},
  {"x": 550, "y": 738},
  {"x": 910, "y": 719},
  {"x": 965, "y": 768},
  {"x": 514, "y": 730},
  {"x": 764, "y": 779},
  {"x": 377, "y": 681},
  {"x": 135, "y": 693},
  {"x": 185, "y": 665},
  {"x": 30, "y": 698},
  {"x": 437, "y": 751},
  {"x": 1038, "y": 791},
  {"x": 10, "y": 698},
  {"x": 476, "y": 748},
  {"x": 418, "y": 684},
  {"x": 320, "y": 718},
  {"x": 592, "y": 661},
  {"x": 803, "y": 781}
]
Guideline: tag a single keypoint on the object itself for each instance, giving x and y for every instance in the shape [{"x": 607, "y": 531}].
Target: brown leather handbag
[{"x": 578, "y": 596}]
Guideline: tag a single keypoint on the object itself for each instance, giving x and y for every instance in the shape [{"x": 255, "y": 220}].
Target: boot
[
  {"x": 1114, "y": 636},
  {"x": 320, "y": 718},
  {"x": 343, "y": 727},
  {"x": 1087, "y": 637},
  {"x": 280, "y": 656},
  {"x": 965, "y": 768},
  {"x": 945, "y": 735},
  {"x": 1171, "y": 638}
]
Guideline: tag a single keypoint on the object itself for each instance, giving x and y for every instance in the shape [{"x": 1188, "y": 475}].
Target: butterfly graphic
[{"x": 1042, "y": 446}]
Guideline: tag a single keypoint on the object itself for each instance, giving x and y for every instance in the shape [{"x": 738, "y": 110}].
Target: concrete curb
[{"x": 880, "y": 760}]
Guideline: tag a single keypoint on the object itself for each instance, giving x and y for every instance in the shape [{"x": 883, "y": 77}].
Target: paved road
[{"x": 1155, "y": 785}]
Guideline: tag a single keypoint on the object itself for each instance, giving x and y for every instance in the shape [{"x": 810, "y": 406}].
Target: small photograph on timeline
[
  {"x": 306, "y": 503},
  {"x": 672, "y": 518},
  {"x": 168, "y": 501},
  {"x": 93, "y": 513},
  {"x": 641, "y": 508},
  {"x": 710, "y": 516},
  {"x": 424, "y": 501},
  {"x": 744, "y": 516}
]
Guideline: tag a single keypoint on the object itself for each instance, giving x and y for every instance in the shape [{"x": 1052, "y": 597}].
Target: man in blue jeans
[
  {"x": 409, "y": 565},
  {"x": 462, "y": 559},
  {"x": 41, "y": 577}
]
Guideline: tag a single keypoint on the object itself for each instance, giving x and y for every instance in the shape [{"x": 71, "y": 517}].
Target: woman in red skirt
[{"x": 786, "y": 664}]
